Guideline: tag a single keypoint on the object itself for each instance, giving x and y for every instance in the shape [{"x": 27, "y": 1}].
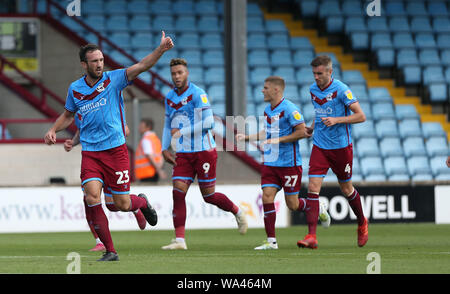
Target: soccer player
[
  {"x": 97, "y": 97},
  {"x": 282, "y": 164},
  {"x": 109, "y": 202},
  {"x": 335, "y": 110},
  {"x": 188, "y": 121}
]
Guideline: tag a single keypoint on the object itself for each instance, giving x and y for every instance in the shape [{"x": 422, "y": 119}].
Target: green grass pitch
[{"x": 403, "y": 248}]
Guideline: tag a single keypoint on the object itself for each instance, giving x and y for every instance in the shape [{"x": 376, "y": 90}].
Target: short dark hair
[
  {"x": 85, "y": 49},
  {"x": 324, "y": 60},
  {"x": 148, "y": 122},
  {"x": 178, "y": 61}
]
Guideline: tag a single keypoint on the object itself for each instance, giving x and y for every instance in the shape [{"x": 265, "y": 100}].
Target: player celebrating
[
  {"x": 97, "y": 97},
  {"x": 332, "y": 144},
  {"x": 109, "y": 202},
  {"x": 282, "y": 164},
  {"x": 189, "y": 120}
]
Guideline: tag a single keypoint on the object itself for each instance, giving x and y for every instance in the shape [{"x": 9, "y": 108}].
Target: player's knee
[{"x": 93, "y": 198}]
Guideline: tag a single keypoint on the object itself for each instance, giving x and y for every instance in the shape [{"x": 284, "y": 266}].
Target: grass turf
[{"x": 404, "y": 248}]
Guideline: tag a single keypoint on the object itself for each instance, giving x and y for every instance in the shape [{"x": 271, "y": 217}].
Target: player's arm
[
  {"x": 70, "y": 143},
  {"x": 358, "y": 116},
  {"x": 298, "y": 133},
  {"x": 147, "y": 62},
  {"x": 166, "y": 138},
  {"x": 251, "y": 137},
  {"x": 63, "y": 121}
]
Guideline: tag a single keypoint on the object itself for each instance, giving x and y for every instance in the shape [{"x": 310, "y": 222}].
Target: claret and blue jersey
[
  {"x": 100, "y": 109},
  {"x": 189, "y": 111},
  {"x": 280, "y": 121},
  {"x": 333, "y": 101}
]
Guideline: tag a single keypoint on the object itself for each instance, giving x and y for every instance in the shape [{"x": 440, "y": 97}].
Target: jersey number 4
[{"x": 123, "y": 177}]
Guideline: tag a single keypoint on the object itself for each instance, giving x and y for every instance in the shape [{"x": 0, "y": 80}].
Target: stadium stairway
[{"x": 320, "y": 44}]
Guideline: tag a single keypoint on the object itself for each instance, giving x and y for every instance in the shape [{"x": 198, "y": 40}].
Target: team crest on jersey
[
  {"x": 100, "y": 88},
  {"x": 204, "y": 98},
  {"x": 349, "y": 94}
]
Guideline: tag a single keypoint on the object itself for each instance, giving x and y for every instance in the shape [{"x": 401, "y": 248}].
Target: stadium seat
[
  {"x": 380, "y": 40},
  {"x": 216, "y": 92},
  {"x": 410, "y": 128},
  {"x": 183, "y": 7},
  {"x": 186, "y": 23},
  {"x": 136, "y": 7},
  {"x": 390, "y": 147},
  {"x": 383, "y": 110},
  {"x": 364, "y": 130},
  {"x": 359, "y": 40},
  {"x": 433, "y": 129},
  {"x": 300, "y": 43},
  {"x": 433, "y": 74},
  {"x": 208, "y": 23},
  {"x": 259, "y": 74},
  {"x": 281, "y": 58},
  {"x": 429, "y": 57},
  {"x": 205, "y": 7},
  {"x": 438, "y": 92},
  {"x": 407, "y": 57},
  {"x": 115, "y": 7},
  {"x": 367, "y": 147},
  {"x": 161, "y": 7},
  {"x": 372, "y": 166},
  {"x": 406, "y": 111},
  {"x": 211, "y": 41},
  {"x": 275, "y": 26},
  {"x": 438, "y": 165},
  {"x": 418, "y": 165},
  {"x": 334, "y": 24},
  {"x": 194, "y": 57},
  {"x": 305, "y": 76},
  {"x": 308, "y": 112},
  {"x": 353, "y": 77},
  {"x": 399, "y": 24},
  {"x": 403, "y": 41},
  {"x": 278, "y": 41},
  {"x": 214, "y": 75},
  {"x": 379, "y": 95},
  {"x": 213, "y": 58},
  {"x": 385, "y": 57},
  {"x": 367, "y": 109},
  {"x": 421, "y": 24},
  {"x": 416, "y": 8},
  {"x": 395, "y": 165},
  {"x": 425, "y": 41},
  {"x": 412, "y": 74},
  {"x": 422, "y": 177},
  {"x": 395, "y": 8},
  {"x": 142, "y": 40},
  {"x": 437, "y": 146},
  {"x": 255, "y": 24},
  {"x": 355, "y": 24},
  {"x": 256, "y": 41},
  {"x": 329, "y": 8},
  {"x": 414, "y": 146},
  {"x": 441, "y": 25},
  {"x": 377, "y": 24},
  {"x": 352, "y": 8},
  {"x": 443, "y": 41},
  {"x": 196, "y": 74},
  {"x": 258, "y": 57},
  {"x": 302, "y": 58},
  {"x": 139, "y": 23},
  {"x": 386, "y": 128},
  {"x": 399, "y": 178},
  {"x": 288, "y": 74},
  {"x": 436, "y": 8}
]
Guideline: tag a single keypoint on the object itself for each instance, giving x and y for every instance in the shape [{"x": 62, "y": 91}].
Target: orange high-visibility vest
[{"x": 142, "y": 166}]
